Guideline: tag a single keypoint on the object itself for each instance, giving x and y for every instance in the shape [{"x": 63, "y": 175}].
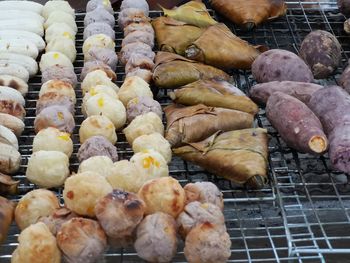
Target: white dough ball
[
  {"x": 101, "y": 165},
  {"x": 134, "y": 87},
  {"x": 95, "y": 78},
  {"x": 97, "y": 125}
]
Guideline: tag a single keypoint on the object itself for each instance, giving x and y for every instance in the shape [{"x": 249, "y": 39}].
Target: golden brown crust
[
  {"x": 13, "y": 108},
  {"x": 6, "y": 216}
]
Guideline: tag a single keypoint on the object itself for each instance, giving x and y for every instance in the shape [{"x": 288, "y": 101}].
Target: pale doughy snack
[
  {"x": 142, "y": 105},
  {"x": 93, "y": 4},
  {"x": 48, "y": 169},
  {"x": 59, "y": 30},
  {"x": 99, "y": 15},
  {"x": 58, "y": 16},
  {"x": 150, "y": 164},
  {"x": 95, "y": 78},
  {"x": 52, "y": 6},
  {"x": 36, "y": 244},
  {"x": 163, "y": 194},
  {"x": 11, "y": 122},
  {"x": 204, "y": 192},
  {"x": 93, "y": 65},
  {"x": 54, "y": 99},
  {"x": 83, "y": 190},
  {"x": 99, "y": 28},
  {"x": 105, "y": 55},
  {"x": 134, "y": 87},
  {"x": 103, "y": 104},
  {"x": 153, "y": 141},
  {"x": 99, "y": 89},
  {"x": 58, "y": 72},
  {"x": 60, "y": 87},
  {"x": 52, "y": 58},
  {"x": 64, "y": 45},
  {"x": 33, "y": 205},
  {"x": 97, "y": 125},
  {"x": 52, "y": 139},
  {"x": 142, "y": 125},
  {"x": 101, "y": 165},
  {"x": 125, "y": 175},
  {"x": 99, "y": 40},
  {"x": 139, "y": 4}
]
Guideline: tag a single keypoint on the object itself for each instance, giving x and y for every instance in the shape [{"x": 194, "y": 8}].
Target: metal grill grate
[{"x": 301, "y": 216}]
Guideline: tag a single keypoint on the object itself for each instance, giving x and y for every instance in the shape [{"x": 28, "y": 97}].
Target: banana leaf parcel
[
  {"x": 219, "y": 47},
  {"x": 239, "y": 156},
  {"x": 249, "y": 13},
  {"x": 195, "y": 123},
  {"x": 172, "y": 71},
  {"x": 173, "y": 35},
  {"x": 215, "y": 93},
  {"x": 193, "y": 13}
]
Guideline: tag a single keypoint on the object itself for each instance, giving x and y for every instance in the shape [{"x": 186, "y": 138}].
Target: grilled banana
[
  {"x": 12, "y": 123},
  {"x": 10, "y": 158},
  {"x": 21, "y": 5},
  {"x": 27, "y": 62},
  {"x": 15, "y": 83},
  {"x": 8, "y": 137},
  {"x": 14, "y": 70},
  {"x": 21, "y": 34},
  {"x": 19, "y": 46},
  {"x": 7, "y": 93},
  {"x": 22, "y": 24}
]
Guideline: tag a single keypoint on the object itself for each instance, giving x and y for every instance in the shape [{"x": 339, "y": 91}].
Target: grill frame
[{"x": 280, "y": 223}]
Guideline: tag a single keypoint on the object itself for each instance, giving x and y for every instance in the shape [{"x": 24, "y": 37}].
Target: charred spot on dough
[
  {"x": 13, "y": 84},
  {"x": 207, "y": 225},
  {"x": 133, "y": 205},
  {"x": 70, "y": 194}
]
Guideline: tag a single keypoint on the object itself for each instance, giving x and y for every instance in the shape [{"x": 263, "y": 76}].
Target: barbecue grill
[{"x": 302, "y": 215}]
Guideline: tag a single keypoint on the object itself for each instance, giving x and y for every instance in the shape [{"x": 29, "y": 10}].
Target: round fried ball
[
  {"x": 52, "y": 139},
  {"x": 97, "y": 125},
  {"x": 97, "y": 77},
  {"x": 83, "y": 190},
  {"x": 134, "y": 87},
  {"x": 163, "y": 194},
  {"x": 141, "y": 105},
  {"x": 33, "y": 205},
  {"x": 98, "y": 40},
  {"x": 101, "y": 165},
  {"x": 60, "y": 87},
  {"x": 48, "y": 169},
  {"x": 125, "y": 175}
]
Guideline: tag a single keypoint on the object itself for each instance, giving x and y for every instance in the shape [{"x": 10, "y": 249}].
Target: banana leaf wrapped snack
[
  {"x": 195, "y": 123},
  {"x": 239, "y": 156},
  {"x": 193, "y": 13},
  {"x": 173, "y": 35},
  {"x": 219, "y": 47},
  {"x": 215, "y": 93},
  {"x": 172, "y": 71},
  {"x": 249, "y": 13}
]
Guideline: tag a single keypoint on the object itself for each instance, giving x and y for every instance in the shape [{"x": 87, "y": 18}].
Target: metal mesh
[{"x": 302, "y": 215}]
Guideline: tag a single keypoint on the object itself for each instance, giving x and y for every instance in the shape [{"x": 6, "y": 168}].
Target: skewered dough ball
[
  {"x": 60, "y": 87},
  {"x": 103, "y": 104},
  {"x": 99, "y": 89},
  {"x": 99, "y": 40},
  {"x": 134, "y": 87},
  {"x": 141, "y": 105},
  {"x": 58, "y": 72},
  {"x": 105, "y": 55},
  {"x": 130, "y": 15},
  {"x": 138, "y": 61},
  {"x": 33, "y": 205},
  {"x": 59, "y": 30},
  {"x": 52, "y": 58},
  {"x": 99, "y": 14},
  {"x": 95, "y": 78},
  {"x": 153, "y": 141},
  {"x": 83, "y": 190},
  {"x": 135, "y": 48},
  {"x": 138, "y": 26},
  {"x": 64, "y": 45},
  {"x": 99, "y": 164},
  {"x": 99, "y": 28},
  {"x": 139, "y": 36},
  {"x": 93, "y": 65},
  {"x": 124, "y": 175},
  {"x": 163, "y": 194},
  {"x": 52, "y": 139},
  {"x": 48, "y": 169},
  {"x": 196, "y": 213},
  {"x": 204, "y": 192},
  {"x": 97, "y": 146},
  {"x": 81, "y": 240},
  {"x": 54, "y": 99},
  {"x": 156, "y": 238},
  {"x": 144, "y": 74},
  {"x": 93, "y": 4},
  {"x": 58, "y": 16},
  {"x": 207, "y": 243},
  {"x": 119, "y": 213},
  {"x": 142, "y": 125},
  {"x": 54, "y": 116},
  {"x": 51, "y": 6},
  {"x": 36, "y": 244},
  {"x": 97, "y": 125},
  {"x": 139, "y": 4},
  {"x": 55, "y": 221}
]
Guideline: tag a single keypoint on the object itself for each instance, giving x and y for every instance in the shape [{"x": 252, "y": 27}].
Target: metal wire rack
[{"x": 301, "y": 216}]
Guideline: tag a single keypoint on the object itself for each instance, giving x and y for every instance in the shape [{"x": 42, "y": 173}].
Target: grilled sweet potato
[{"x": 296, "y": 123}]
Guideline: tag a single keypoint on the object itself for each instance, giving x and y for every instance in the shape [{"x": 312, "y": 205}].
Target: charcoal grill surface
[{"x": 301, "y": 216}]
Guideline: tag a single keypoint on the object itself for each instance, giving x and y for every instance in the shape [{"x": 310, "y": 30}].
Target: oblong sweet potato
[
  {"x": 300, "y": 90},
  {"x": 278, "y": 64},
  {"x": 296, "y": 123},
  {"x": 344, "y": 80}
]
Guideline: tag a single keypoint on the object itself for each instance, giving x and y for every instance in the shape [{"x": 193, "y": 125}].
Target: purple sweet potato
[
  {"x": 296, "y": 123},
  {"x": 300, "y": 90},
  {"x": 332, "y": 106},
  {"x": 279, "y": 65},
  {"x": 344, "y": 80},
  {"x": 322, "y": 52}
]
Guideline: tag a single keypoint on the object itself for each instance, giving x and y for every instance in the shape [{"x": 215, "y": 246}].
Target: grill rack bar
[{"x": 277, "y": 223}]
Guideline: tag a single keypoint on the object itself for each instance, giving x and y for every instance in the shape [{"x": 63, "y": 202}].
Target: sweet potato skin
[
  {"x": 296, "y": 123},
  {"x": 332, "y": 106},
  {"x": 322, "y": 52},
  {"x": 344, "y": 80},
  {"x": 344, "y": 7},
  {"x": 300, "y": 90},
  {"x": 279, "y": 65}
]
